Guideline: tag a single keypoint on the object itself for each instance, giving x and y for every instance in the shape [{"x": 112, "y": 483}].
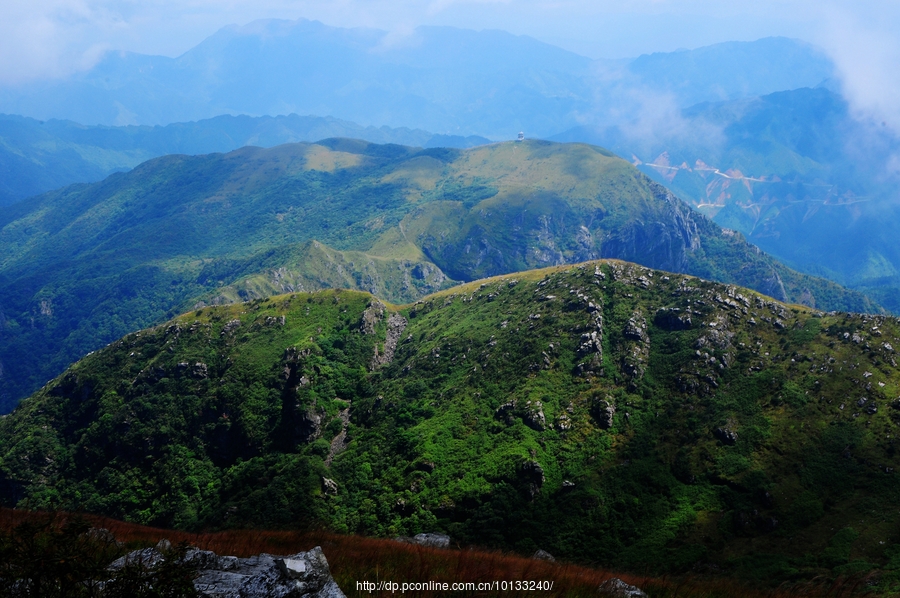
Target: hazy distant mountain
[
  {"x": 733, "y": 70},
  {"x": 441, "y": 79},
  {"x": 39, "y": 156},
  {"x": 794, "y": 171}
]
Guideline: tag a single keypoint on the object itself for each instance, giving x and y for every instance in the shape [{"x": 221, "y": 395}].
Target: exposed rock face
[
  {"x": 531, "y": 413},
  {"x": 308, "y": 424},
  {"x": 275, "y": 321},
  {"x": 603, "y": 412},
  {"x": 637, "y": 346},
  {"x": 304, "y": 574},
  {"x": 301, "y": 575},
  {"x": 543, "y": 555},
  {"x": 726, "y": 435},
  {"x": 619, "y": 589},
  {"x": 329, "y": 486},
  {"x": 431, "y": 540},
  {"x": 200, "y": 370},
  {"x": 534, "y": 416},
  {"x": 636, "y": 328},
  {"x": 371, "y": 316},
  {"x": 773, "y": 286},
  {"x": 147, "y": 557},
  {"x": 293, "y": 362},
  {"x": 339, "y": 442},
  {"x": 672, "y": 318},
  {"x": 230, "y": 327},
  {"x": 532, "y": 474},
  {"x": 396, "y": 324},
  {"x": 429, "y": 272},
  {"x": 664, "y": 243},
  {"x": 590, "y": 345}
]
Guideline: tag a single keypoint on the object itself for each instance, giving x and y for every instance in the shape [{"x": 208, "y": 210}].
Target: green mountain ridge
[
  {"x": 606, "y": 412},
  {"x": 88, "y": 263}
]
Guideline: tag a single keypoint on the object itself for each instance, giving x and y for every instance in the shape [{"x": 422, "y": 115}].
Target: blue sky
[{"x": 50, "y": 38}]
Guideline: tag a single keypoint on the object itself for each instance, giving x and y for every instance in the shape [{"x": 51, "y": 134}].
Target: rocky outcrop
[
  {"x": 672, "y": 318},
  {"x": 329, "y": 486},
  {"x": 301, "y": 575},
  {"x": 431, "y": 540},
  {"x": 603, "y": 411},
  {"x": 293, "y": 366},
  {"x": 339, "y": 442},
  {"x": 371, "y": 317},
  {"x": 616, "y": 588},
  {"x": 396, "y": 324},
  {"x": 636, "y": 328},
  {"x": 664, "y": 242},
  {"x": 198, "y": 371},
  {"x": 308, "y": 424},
  {"x": 590, "y": 345},
  {"x": 531, "y": 414},
  {"x": 534, "y": 416},
  {"x": 773, "y": 286},
  {"x": 531, "y": 474},
  {"x": 636, "y": 355},
  {"x": 726, "y": 436},
  {"x": 230, "y": 327}
]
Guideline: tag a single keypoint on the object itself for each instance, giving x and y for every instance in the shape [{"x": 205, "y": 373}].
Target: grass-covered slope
[
  {"x": 84, "y": 265},
  {"x": 604, "y": 412}
]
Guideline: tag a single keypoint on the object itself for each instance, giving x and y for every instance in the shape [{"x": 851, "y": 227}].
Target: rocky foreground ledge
[{"x": 301, "y": 575}]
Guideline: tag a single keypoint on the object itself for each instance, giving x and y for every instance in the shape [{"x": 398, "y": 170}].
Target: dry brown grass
[{"x": 356, "y": 559}]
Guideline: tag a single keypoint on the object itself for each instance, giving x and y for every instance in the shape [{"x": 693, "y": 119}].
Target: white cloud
[
  {"x": 865, "y": 47},
  {"x": 50, "y": 38}
]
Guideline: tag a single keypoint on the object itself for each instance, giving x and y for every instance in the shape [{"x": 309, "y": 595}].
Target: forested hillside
[{"x": 605, "y": 412}]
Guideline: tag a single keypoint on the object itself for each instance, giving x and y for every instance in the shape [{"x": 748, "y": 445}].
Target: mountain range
[
  {"x": 216, "y": 313},
  {"x": 754, "y": 134},
  {"x": 449, "y": 81},
  {"x": 604, "y": 412},
  {"x": 38, "y": 156},
  {"x": 84, "y": 265}
]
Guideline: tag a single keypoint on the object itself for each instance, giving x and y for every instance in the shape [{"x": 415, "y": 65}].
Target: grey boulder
[
  {"x": 301, "y": 575},
  {"x": 619, "y": 589},
  {"x": 431, "y": 540}
]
